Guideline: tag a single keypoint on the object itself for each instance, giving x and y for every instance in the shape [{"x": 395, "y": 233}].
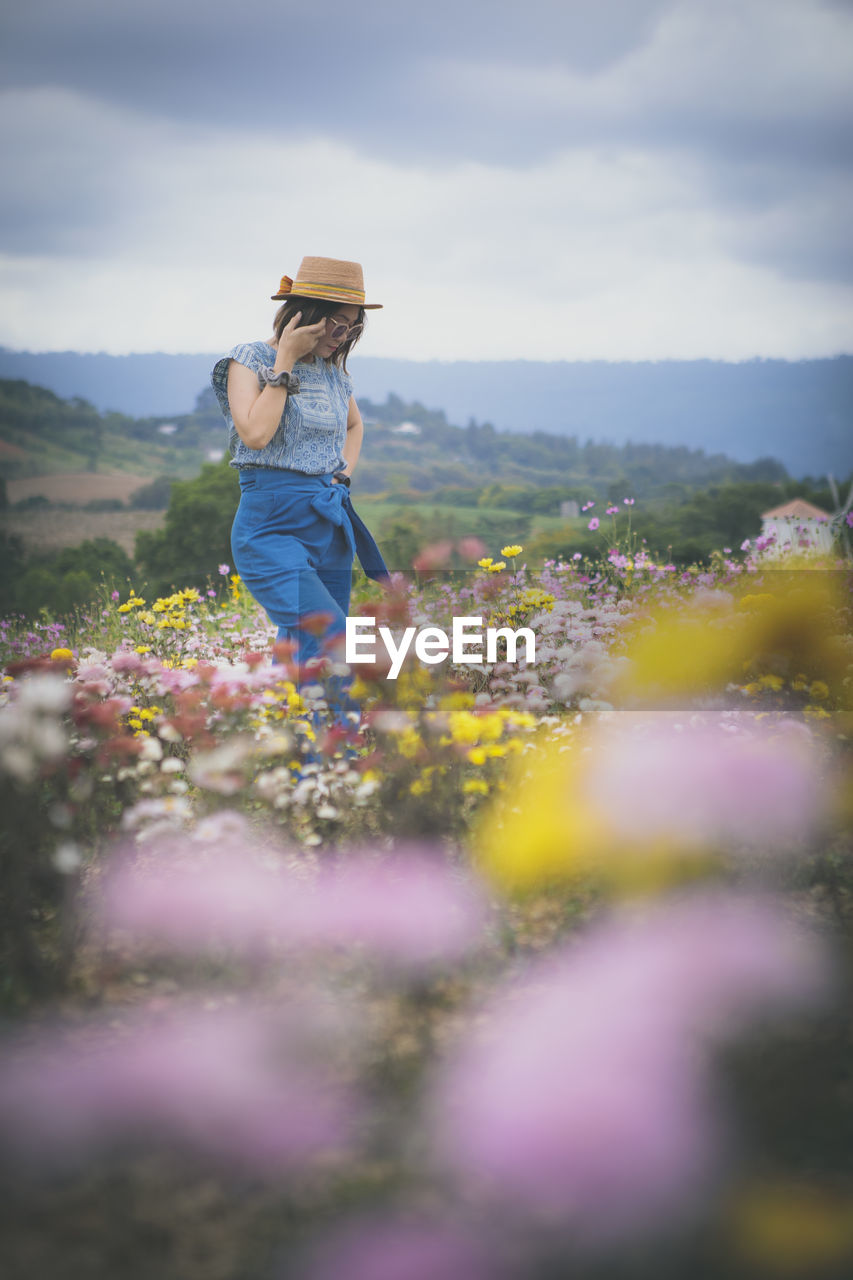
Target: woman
[{"x": 295, "y": 434}]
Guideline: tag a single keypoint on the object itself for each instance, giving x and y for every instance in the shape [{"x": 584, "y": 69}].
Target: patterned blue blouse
[{"x": 310, "y": 437}]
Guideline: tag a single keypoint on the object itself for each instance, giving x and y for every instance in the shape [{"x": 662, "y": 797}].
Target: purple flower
[
  {"x": 745, "y": 545},
  {"x": 245, "y": 1085},
  {"x": 583, "y": 1093},
  {"x": 587, "y": 506},
  {"x": 849, "y": 519},
  {"x": 224, "y": 570},
  {"x": 593, "y": 524},
  {"x": 657, "y": 779},
  {"x": 410, "y": 910},
  {"x": 115, "y": 595},
  {"x": 576, "y": 556},
  {"x": 396, "y": 1249},
  {"x": 629, "y": 502},
  {"x": 612, "y": 511}
]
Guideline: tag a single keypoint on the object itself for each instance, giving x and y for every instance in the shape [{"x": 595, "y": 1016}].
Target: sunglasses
[{"x": 340, "y": 331}]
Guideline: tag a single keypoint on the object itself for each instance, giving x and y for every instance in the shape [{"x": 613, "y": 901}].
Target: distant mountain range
[{"x": 799, "y": 412}]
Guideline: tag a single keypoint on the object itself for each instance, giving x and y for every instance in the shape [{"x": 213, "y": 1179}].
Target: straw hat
[{"x": 328, "y": 278}]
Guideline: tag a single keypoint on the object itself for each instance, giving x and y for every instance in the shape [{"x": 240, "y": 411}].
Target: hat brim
[{"x": 346, "y": 302}]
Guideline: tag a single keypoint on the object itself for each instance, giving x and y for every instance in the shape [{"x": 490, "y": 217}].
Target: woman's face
[{"x": 344, "y": 314}]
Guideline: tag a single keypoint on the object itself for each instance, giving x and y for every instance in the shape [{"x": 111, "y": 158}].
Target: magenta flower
[
  {"x": 612, "y": 511},
  {"x": 587, "y": 506},
  {"x": 593, "y": 524},
  {"x": 582, "y": 1096}
]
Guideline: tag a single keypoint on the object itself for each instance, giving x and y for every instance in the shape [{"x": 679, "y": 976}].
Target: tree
[{"x": 196, "y": 536}]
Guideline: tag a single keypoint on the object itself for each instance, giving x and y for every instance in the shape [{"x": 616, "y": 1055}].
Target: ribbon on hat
[{"x": 286, "y": 284}]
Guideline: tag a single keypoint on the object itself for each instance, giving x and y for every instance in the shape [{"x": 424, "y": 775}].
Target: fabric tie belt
[{"x": 331, "y": 503}]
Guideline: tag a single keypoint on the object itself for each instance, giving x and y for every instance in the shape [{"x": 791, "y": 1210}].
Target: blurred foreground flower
[
  {"x": 249, "y": 1086},
  {"x": 582, "y": 1099},
  {"x": 630, "y": 799},
  {"x": 377, "y": 1249},
  {"x": 409, "y": 909},
  {"x": 788, "y": 623}
]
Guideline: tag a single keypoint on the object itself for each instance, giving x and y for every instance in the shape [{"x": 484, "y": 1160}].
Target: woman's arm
[
  {"x": 355, "y": 435},
  {"x": 257, "y": 412}
]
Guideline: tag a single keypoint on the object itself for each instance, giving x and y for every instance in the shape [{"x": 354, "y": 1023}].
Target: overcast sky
[{"x": 537, "y": 179}]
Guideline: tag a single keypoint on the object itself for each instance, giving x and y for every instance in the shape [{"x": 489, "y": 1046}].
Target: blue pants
[{"x": 293, "y": 545}]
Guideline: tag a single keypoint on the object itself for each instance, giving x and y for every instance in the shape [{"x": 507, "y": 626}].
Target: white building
[{"x": 797, "y": 526}]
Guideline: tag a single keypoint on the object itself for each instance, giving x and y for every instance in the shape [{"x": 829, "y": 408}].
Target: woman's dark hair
[{"x": 314, "y": 309}]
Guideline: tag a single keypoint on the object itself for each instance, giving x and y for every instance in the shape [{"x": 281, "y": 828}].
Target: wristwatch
[
  {"x": 342, "y": 478},
  {"x": 267, "y": 377}
]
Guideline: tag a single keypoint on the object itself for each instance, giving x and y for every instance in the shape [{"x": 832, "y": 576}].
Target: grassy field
[
  {"x": 76, "y": 487},
  {"x": 54, "y": 527}
]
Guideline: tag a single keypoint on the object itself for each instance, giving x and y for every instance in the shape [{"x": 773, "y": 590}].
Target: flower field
[{"x": 525, "y": 970}]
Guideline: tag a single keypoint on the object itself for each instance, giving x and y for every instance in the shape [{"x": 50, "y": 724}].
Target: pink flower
[
  {"x": 659, "y": 779},
  {"x": 612, "y": 511},
  {"x": 471, "y": 548},
  {"x": 410, "y": 910},
  {"x": 582, "y": 1096},
  {"x": 224, "y": 570},
  {"x": 435, "y": 556},
  {"x": 396, "y": 1249},
  {"x": 629, "y": 502},
  {"x": 127, "y": 663},
  {"x": 587, "y": 506},
  {"x": 245, "y": 1085},
  {"x": 593, "y": 524}
]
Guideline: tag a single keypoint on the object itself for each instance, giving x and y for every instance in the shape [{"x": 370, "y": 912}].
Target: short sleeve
[{"x": 248, "y": 353}]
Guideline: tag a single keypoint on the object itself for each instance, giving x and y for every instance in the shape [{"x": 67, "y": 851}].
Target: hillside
[
  {"x": 800, "y": 412},
  {"x": 408, "y": 450},
  {"x": 42, "y": 434}
]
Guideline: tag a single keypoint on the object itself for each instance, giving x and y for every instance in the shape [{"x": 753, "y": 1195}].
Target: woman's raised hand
[{"x": 296, "y": 342}]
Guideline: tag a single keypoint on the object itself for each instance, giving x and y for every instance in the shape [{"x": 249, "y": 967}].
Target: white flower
[
  {"x": 67, "y": 858},
  {"x": 151, "y": 749},
  {"x": 45, "y": 693}
]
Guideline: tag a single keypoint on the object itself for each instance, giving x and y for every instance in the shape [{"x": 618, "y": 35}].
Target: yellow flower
[
  {"x": 147, "y": 617},
  {"x": 818, "y": 690},
  {"x": 61, "y": 655},
  {"x": 815, "y": 713},
  {"x": 476, "y": 787},
  {"x": 775, "y": 683},
  {"x": 477, "y": 755},
  {"x": 496, "y": 568},
  {"x": 485, "y": 563},
  {"x": 512, "y": 550},
  {"x": 143, "y": 648}
]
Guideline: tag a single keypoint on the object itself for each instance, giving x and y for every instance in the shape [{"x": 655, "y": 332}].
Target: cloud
[{"x": 636, "y": 178}]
